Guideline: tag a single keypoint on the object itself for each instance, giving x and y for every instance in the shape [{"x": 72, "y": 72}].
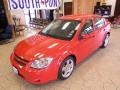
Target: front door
[{"x": 86, "y": 45}]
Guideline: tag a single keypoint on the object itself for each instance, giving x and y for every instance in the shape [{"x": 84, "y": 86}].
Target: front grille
[{"x": 20, "y": 61}]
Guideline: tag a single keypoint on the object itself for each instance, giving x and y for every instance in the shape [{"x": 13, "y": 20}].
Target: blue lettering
[
  {"x": 50, "y": 3},
  {"x": 27, "y": 3},
  {"x": 46, "y": 1},
  {"x": 55, "y": 3},
  {"x": 33, "y": 3},
  {"x": 14, "y": 5},
  {"x": 21, "y": 5},
  {"x": 37, "y": 3}
]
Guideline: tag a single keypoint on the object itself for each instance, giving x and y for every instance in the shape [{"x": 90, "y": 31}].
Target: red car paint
[{"x": 28, "y": 49}]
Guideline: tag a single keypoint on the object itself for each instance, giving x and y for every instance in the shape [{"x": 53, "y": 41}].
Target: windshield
[{"x": 61, "y": 29}]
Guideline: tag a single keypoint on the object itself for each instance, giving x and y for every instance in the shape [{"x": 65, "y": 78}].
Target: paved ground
[{"x": 100, "y": 71}]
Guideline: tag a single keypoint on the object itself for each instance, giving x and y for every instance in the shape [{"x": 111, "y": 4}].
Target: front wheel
[
  {"x": 66, "y": 68},
  {"x": 106, "y": 41}
]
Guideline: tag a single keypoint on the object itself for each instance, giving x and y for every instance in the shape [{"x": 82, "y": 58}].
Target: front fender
[{"x": 63, "y": 56}]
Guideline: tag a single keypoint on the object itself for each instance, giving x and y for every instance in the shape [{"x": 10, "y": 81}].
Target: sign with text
[{"x": 33, "y": 4}]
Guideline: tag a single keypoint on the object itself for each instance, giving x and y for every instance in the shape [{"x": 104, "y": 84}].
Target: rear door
[{"x": 101, "y": 26}]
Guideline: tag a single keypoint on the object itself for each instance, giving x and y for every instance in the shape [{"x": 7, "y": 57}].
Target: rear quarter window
[{"x": 99, "y": 22}]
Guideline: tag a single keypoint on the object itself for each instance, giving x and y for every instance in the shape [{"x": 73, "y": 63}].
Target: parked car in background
[{"x": 55, "y": 51}]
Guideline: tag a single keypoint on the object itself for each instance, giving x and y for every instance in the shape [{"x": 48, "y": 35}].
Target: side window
[
  {"x": 99, "y": 22},
  {"x": 87, "y": 27}
]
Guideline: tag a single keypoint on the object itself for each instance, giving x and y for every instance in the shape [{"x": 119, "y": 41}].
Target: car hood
[{"x": 36, "y": 45}]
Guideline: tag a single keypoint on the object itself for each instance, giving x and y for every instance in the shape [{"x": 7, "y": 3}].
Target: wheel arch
[
  {"x": 70, "y": 55},
  {"x": 108, "y": 33},
  {"x": 74, "y": 57}
]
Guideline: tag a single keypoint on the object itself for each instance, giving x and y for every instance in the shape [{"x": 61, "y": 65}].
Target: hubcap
[
  {"x": 67, "y": 68},
  {"x": 106, "y": 41}
]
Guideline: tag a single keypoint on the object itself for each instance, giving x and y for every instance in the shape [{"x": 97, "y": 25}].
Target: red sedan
[{"x": 55, "y": 51}]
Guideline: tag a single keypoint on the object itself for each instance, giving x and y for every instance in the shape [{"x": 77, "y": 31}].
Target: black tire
[
  {"x": 61, "y": 72},
  {"x": 105, "y": 41}
]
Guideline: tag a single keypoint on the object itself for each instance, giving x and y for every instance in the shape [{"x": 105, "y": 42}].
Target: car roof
[{"x": 77, "y": 17}]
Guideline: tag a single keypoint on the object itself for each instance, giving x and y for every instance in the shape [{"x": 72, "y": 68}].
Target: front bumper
[{"x": 35, "y": 76}]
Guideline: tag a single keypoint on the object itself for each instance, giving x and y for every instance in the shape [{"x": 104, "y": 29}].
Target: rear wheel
[
  {"x": 106, "y": 41},
  {"x": 66, "y": 68}
]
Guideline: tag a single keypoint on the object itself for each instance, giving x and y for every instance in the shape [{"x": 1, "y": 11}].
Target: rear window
[{"x": 99, "y": 22}]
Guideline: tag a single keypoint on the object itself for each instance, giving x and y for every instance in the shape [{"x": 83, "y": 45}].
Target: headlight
[{"x": 41, "y": 63}]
